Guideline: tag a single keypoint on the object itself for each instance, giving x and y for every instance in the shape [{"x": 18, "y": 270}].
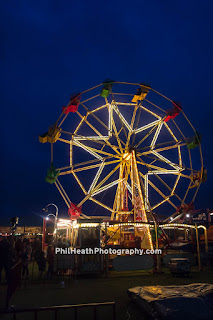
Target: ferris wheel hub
[{"x": 126, "y": 156}]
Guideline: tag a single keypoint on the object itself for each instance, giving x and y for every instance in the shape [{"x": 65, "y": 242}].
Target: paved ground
[{"x": 86, "y": 290}]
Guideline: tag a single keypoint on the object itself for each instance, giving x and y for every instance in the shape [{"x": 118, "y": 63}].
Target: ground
[{"x": 64, "y": 291}]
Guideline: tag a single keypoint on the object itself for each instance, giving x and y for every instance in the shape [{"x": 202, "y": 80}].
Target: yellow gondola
[
  {"x": 51, "y": 136},
  {"x": 141, "y": 93}
]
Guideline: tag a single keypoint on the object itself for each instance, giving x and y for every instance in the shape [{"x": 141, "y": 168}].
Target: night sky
[{"x": 50, "y": 49}]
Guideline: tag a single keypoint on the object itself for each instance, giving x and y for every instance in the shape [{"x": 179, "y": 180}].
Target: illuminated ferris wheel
[{"x": 132, "y": 151}]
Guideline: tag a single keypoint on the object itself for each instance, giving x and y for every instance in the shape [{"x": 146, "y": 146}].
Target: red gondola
[
  {"x": 74, "y": 211},
  {"x": 174, "y": 112},
  {"x": 73, "y": 105}
]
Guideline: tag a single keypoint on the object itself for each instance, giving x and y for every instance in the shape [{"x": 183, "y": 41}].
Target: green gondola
[
  {"x": 106, "y": 88},
  {"x": 52, "y": 174},
  {"x": 194, "y": 141}
]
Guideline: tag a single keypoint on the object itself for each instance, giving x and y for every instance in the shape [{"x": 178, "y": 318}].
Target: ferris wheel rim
[{"x": 116, "y": 149}]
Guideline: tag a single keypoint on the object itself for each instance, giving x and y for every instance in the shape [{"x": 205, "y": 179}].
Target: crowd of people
[{"x": 24, "y": 250}]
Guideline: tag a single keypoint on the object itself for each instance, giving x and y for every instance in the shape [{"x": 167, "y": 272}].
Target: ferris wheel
[{"x": 132, "y": 151}]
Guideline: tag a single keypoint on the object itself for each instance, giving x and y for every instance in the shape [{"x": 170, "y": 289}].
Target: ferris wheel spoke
[
  {"x": 170, "y": 131},
  {"x": 91, "y": 98},
  {"x": 95, "y": 151},
  {"x": 147, "y": 135},
  {"x": 146, "y": 198},
  {"x": 147, "y": 126},
  {"x": 149, "y": 111},
  {"x": 189, "y": 187},
  {"x": 136, "y": 123},
  {"x": 70, "y": 168},
  {"x": 95, "y": 139},
  {"x": 109, "y": 127},
  {"x": 63, "y": 193},
  {"x": 92, "y": 113},
  {"x": 64, "y": 140},
  {"x": 160, "y": 94},
  {"x": 79, "y": 169},
  {"x": 174, "y": 172},
  {"x": 89, "y": 150},
  {"x": 152, "y": 151},
  {"x": 160, "y": 203},
  {"x": 172, "y": 164},
  {"x": 178, "y": 128},
  {"x": 179, "y": 169},
  {"x": 180, "y": 157},
  {"x": 100, "y": 121},
  {"x": 95, "y": 180},
  {"x": 131, "y": 125},
  {"x": 80, "y": 123},
  {"x": 92, "y": 88},
  {"x": 185, "y": 176},
  {"x": 166, "y": 198},
  {"x": 196, "y": 192},
  {"x": 95, "y": 166},
  {"x": 84, "y": 163},
  {"x": 122, "y": 119},
  {"x": 88, "y": 167},
  {"x": 79, "y": 182},
  {"x": 161, "y": 149},
  {"x": 171, "y": 189},
  {"x": 98, "y": 109},
  {"x": 89, "y": 194},
  {"x": 151, "y": 166},
  {"x": 109, "y": 185},
  {"x": 111, "y": 124},
  {"x": 101, "y": 204},
  {"x": 62, "y": 121},
  {"x": 108, "y": 176},
  {"x": 157, "y": 132},
  {"x": 187, "y": 191},
  {"x": 95, "y": 117},
  {"x": 162, "y": 145},
  {"x": 119, "y": 141},
  {"x": 155, "y": 105},
  {"x": 63, "y": 168},
  {"x": 89, "y": 124},
  {"x": 96, "y": 131},
  {"x": 84, "y": 199},
  {"x": 190, "y": 159}
]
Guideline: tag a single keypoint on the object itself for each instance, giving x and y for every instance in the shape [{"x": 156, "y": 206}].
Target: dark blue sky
[{"x": 50, "y": 49}]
